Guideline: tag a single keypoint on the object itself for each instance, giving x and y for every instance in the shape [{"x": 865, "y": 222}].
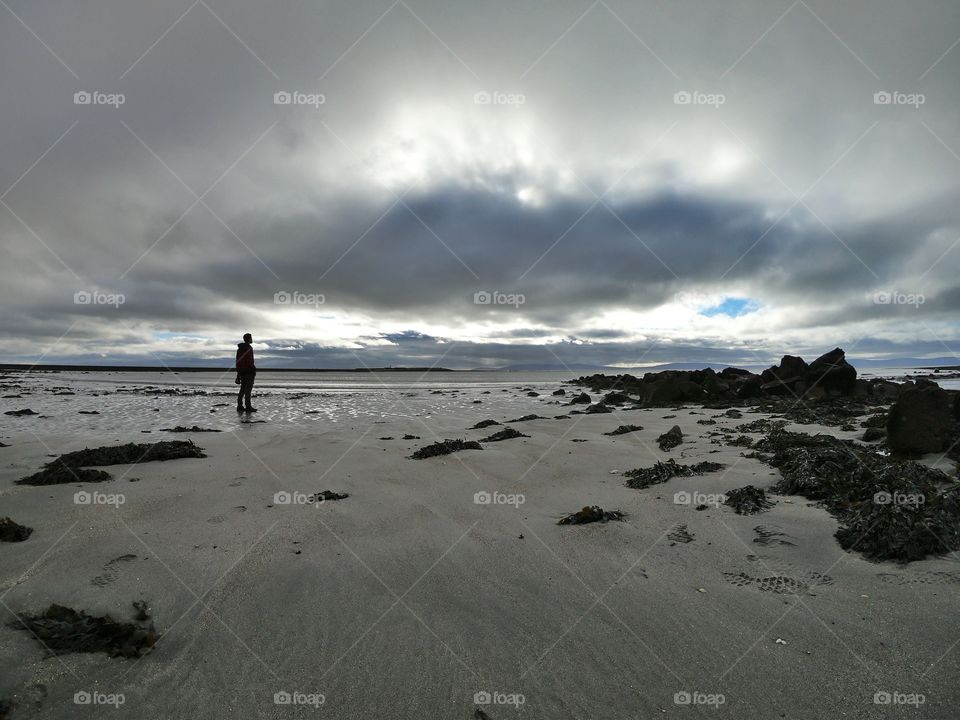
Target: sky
[{"x": 462, "y": 184}]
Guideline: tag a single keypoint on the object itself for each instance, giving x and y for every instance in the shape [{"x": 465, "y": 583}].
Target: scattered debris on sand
[
  {"x": 589, "y": 514},
  {"x": 88, "y": 412},
  {"x": 525, "y": 418},
  {"x": 408, "y": 436},
  {"x": 671, "y": 438},
  {"x": 11, "y": 531},
  {"x": 505, "y": 434},
  {"x": 484, "y": 424},
  {"x": 65, "y": 630},
  {"x": 748, "y": 500},
  {"x": 663, "y": 471},
  {"x": 445, "y": 448},
  {"x": 624, "y": 429},
  {"x": 325, "y": 495},
  {"x": 192, "y": 429},
  {"x": 74, "y": 466}
]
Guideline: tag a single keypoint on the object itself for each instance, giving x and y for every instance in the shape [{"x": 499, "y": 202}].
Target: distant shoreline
[{"x": 179, "y": 369}]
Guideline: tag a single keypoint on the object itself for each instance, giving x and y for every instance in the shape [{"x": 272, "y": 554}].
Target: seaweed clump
[
  {"x": 748, "y": 500},
  {"x": 505, "y": 434},
  {"x": 888, "y": 509},
  {"x": 65, "y": 630},
  {"x": 73, "y": 466},
  {"x": 663, "y": 471},
  {"x": 589, "y": 514},
  {"x": 445, "y": 448}
]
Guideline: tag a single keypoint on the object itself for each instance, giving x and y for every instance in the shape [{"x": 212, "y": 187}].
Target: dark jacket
[{"x": 245, "y": 358}]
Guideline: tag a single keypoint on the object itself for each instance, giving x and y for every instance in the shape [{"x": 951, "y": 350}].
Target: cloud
[{"x": 576, "y": 181}]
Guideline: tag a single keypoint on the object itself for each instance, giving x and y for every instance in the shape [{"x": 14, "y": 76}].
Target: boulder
[
  {"x": 833, "y": 373},
  {"x": 920, "y": 419}
]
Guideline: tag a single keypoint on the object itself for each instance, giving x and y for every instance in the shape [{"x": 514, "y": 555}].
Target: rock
[
  {"x": 750, "y": 388},
  {"x": 597, "y": 408},
  {"x": 484, "y": 424},
  {"x": 624, "y": 429},
  {"x": 581, "y": 399},
  {"x": 832, "y": 373},
  {"x": 671, "y": 438},
  {"x": 561, "y": 391},
  {"x": 20, "y": 413},
  {"x": 615, "y": 398},
  {"x": 63, "y": 630},
  {"x": 873, "y": 434},
  {"x": 920, "y": 420},
  {"x": 533, "y": 393}
]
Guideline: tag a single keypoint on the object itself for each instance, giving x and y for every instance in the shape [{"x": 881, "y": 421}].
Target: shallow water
[{"x": 146, "y": 401}]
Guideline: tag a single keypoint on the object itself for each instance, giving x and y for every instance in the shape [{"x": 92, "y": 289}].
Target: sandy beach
[{"x": 439, "y": 580}]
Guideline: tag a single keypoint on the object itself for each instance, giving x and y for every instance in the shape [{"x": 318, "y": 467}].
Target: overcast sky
[{"x": 478, "y": 184}]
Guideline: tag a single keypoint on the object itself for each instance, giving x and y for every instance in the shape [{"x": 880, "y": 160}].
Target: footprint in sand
[
  {"x": 921, "y": 578},
  {"x": 780, "y": 582},
  {"x": 770, "y": 535},
  {"x": 110, "y": 571},
  {"x": 217, "y": 519},
  {"x": 680, "y": 534}
]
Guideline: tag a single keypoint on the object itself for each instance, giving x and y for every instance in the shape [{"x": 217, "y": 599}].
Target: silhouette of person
[{"x": 246, "y": 373}]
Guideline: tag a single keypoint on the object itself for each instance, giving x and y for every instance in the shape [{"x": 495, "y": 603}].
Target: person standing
[{"x": 246, "y": 373}]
